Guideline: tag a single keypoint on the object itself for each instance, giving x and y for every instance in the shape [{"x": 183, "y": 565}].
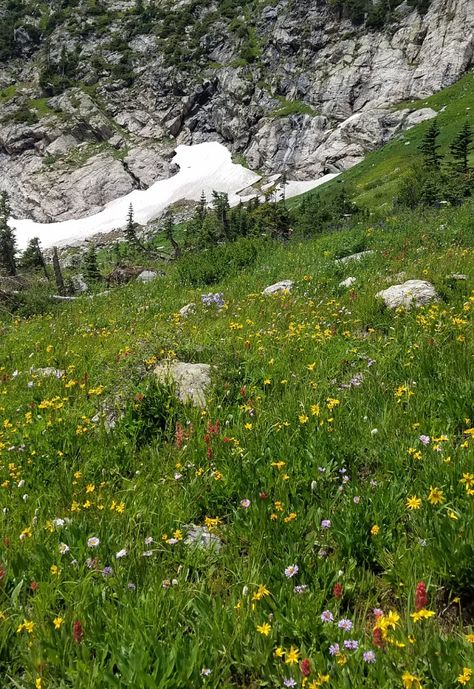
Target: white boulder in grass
[
  {"x": 348, "y": 282},
  {"x": 187, "y": 310},
  {"x": 282, "y": 286},
  {"x": 410, "y": 293},
  {"x": 191, "y": 380},
  {"x": 147, "y": 276}
]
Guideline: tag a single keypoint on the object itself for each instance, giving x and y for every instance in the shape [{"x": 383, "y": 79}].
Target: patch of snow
[{"x": 205, "y": 167}]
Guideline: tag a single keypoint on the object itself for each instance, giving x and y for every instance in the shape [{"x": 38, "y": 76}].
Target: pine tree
[
  {"x": 429, "y": 146},
  {"x": 169, "y": 233},
  {"x": 91, "y": 269},
  {"x": 32, "y": 258},
  {"x": 58, "y": 276},
  {"x": 460, "y": 149},
  {"x": 130, "y": 232},
  {"x": 7, "y": 238}
]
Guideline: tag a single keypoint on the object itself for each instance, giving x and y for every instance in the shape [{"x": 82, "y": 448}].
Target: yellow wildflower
[
  {"x": 413, "y": 503},
  {"x": 292, "y": 656},
  {"x": 264, "y": 629},
  {"x": 435, "y": 496}
]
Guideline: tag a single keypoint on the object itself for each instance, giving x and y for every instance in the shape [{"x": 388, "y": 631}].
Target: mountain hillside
[{"x": 95, "y": 95}]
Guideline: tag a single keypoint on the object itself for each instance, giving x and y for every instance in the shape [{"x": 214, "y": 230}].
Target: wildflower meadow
[{"x": 311, "y": 526}]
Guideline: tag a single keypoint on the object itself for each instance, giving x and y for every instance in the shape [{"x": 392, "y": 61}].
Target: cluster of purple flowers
[
  {"x": 349, "y": 644},
  {"x": 213, "y": 298}
]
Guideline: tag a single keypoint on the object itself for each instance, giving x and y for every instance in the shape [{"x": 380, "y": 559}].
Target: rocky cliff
[{"x": 94, "y": 96}]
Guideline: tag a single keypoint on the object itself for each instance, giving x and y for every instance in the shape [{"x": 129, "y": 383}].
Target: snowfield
[{"x": 205, "y": 167}]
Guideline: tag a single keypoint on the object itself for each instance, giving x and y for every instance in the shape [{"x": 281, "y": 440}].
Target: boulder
[
  {"x": 201, "y": 537},
  {"x": 282, "y": 286},
  {"x": 348, "y": 282},
  {"x": 410, "y": 293},
  {"x": 190, "y": 380}
]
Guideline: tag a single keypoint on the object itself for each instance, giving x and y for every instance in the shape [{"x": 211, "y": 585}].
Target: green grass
[
  {"x": 282, "y": 431},
  {"x": 292, "y": 107},
  {"x": 376, "y": 180}
]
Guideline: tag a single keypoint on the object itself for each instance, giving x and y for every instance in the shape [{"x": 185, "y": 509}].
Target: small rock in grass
[
  {"x": 410, "y": 293},
  {"x": 457, "y": 276},
  {"x": 348, "y": 282},
  {"x": 48, "y": 372},
  {"x": 201, "y": 537},
  {"x": 147, "y": 276},
  {"x": 283, "y": 286},
  {"x": 355, "y": 257},
  {"x": 187, "y": 310},
  {"x": 191, "y": 380}
]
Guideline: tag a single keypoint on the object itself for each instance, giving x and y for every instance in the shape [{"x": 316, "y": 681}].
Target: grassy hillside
[
  {"x": 376, "y": 180},
  {"x": 332, "y": 466}
]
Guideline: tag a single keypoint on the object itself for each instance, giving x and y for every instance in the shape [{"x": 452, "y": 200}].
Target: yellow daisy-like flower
[
  {"x": 57, "y": 622},
  {"x": 264, "y": 629},
  {"x": 413, "y": 503},
  {"x": 292, "y": 656},
  {"x": 470, "y": 638},
  {"x": 279, "y": 652},
  {"x": 465, "y": 676},
  {"x": 410, "y": 681},
  {"x": 435, "y": 496},
  {"x": 375, "y": 529},
  {"x": 422, "y": 614}
]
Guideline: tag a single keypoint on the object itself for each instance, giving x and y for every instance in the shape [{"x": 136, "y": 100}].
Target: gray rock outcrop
[
  {"x": 282, "y": 286},
  {"x": 316, "y": 100}
]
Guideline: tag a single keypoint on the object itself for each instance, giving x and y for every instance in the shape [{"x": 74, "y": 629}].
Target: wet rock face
[{"x": 315, "y": 99}]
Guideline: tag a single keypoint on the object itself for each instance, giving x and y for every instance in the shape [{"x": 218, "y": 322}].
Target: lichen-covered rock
[
  {"x": 410, "y": 293},
  {"x": 282, "y": 286},
  {"x": 190, "y": 380}
]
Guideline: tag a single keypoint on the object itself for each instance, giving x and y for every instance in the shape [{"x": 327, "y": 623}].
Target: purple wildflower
[
  {"x": 345, "y": 624},
  {"x": 351, "y": 644},
  {"x": 291, "y": 570},
  {"x": 369, "y": 657},
  {"x": 326, "y": 524},
  {"x": 425, "y": 439},
  {"x": 327, "y": 616},
  {"x": 334, "y": 649}
]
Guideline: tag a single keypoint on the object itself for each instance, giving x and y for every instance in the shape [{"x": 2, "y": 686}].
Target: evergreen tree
[
  {"x": 169, "y": 233},
  {"x": 32, "y": 258},
  {"x": 220, "y": 205},
  {"x": 7, "y": 238},
  {"x": 130, "y": 231},
  {"x": 91, "y": 268},
  {"x": 430, "y": 148},
  {"x": 58, "y": 276},
  {"x": 460, "y": 149}
]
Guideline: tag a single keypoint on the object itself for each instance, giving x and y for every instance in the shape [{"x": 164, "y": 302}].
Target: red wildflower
[
  {"x": 377, "y": 637},
  {"x": 337, "y": 590},
  {"x": 263, "y": 495},
  {"x": 209, "y": 452},
  {"x": 305, "y": 667},
  {"x": 34, "y": 586},
  {"x": 421, "y": 596},
  {"x": 77, "y": 632}
]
